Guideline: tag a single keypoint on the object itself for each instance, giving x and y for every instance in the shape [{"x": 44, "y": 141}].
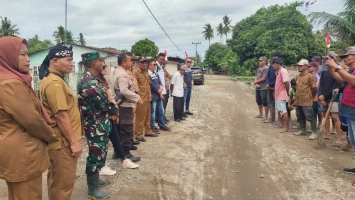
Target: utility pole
[
  {"x": 65, "y": 29},
  {"x": 196, "y": 43}
]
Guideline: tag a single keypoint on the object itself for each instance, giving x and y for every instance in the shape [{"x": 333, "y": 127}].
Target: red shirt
[{"x": 349, "y": 95}]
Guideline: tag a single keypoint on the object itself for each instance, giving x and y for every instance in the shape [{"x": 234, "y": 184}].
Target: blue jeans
[
  {"x": 351, "y": 129},
  {"x": 187, "y": 98},
  {"x": 157, "y": 107}
]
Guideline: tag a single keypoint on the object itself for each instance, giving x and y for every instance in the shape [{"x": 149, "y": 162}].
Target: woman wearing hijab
[{"x": 24, "y": 123}]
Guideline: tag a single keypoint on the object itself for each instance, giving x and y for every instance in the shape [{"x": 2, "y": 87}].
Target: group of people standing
[
  {"x": 40, "y": 133},
  {"x": 322, "y": 85}
]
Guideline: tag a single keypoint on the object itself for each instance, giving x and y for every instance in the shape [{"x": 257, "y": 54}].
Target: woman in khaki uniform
[{"x": 23, "y": 124}]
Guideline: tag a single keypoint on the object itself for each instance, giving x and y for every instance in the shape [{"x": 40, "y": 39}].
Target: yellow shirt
[{"x": 57, "y": 96}]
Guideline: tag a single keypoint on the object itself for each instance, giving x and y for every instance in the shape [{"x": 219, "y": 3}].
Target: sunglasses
[{"x": 188, "y": 61}]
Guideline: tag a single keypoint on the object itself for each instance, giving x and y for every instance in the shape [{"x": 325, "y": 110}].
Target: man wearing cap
[
  {"x": 270, "y": 86},
  {"x": 306, "y": 90},
  {"x": 347, "y": 106},
  {"x": 260, "y": 85},
  {"x": 318, "y": 62},
  {"x": 177, "y": 91},
  {"x": 142, "y": 123},
  {"x": 59, "y": 101},
  {"x": 96, "y": 111},
  {"x": 282, "y": 93},
  {"x": 123, "y": 83},
  {"x": 312, "y": 70},
  {"x": 327, "y": 85}
]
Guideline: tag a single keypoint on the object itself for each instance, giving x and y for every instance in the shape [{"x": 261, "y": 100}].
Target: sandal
[
  {"x": 259, "y": 116},
  {"x": 284, "y": 131}
]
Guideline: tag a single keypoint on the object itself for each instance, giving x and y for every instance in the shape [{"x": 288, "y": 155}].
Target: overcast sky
[{"x": 119, "y": 24}]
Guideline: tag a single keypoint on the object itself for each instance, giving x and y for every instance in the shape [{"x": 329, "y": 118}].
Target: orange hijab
[{"x": 9, "y": 58}]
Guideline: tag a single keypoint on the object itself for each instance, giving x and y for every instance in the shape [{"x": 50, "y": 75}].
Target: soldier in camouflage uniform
[{"x": 96, "y": 111}]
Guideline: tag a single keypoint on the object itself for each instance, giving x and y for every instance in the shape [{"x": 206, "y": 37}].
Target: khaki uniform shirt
[
  {"x": 24, "y": 133},
  {"x": 304, "y": 86},
  {"x": 143, "y": 84},
  {"x": 123, "y": 82},
  {"x": 57, "y": 96}
]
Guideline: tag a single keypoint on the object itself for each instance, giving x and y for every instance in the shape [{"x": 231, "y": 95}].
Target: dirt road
[{"x": 224, "y": 153}]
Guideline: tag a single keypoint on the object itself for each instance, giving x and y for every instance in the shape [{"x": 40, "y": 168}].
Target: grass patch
[{"x": 245, "y": 78}]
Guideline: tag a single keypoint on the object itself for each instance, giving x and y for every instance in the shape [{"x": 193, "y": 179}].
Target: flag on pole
[
  {"x": 327, "y": 40},
  {"x": 166, "y": 55},
  {"x": 186, "y": 54}
]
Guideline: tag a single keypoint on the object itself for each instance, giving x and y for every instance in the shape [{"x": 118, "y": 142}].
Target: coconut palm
[
  {"x": 227, "y": 25},
  {"x": 208, "y": 33},
  {"x": 81, "y": 39},
  {"x": 59, "y": 35},
  {"x": 220, "y": 31},
  {"x": 7, "y": 29},
  {"x": 342, "y": 25}
]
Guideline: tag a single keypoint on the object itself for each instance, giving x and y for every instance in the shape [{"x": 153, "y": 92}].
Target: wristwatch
[{"x": 338, "y": 68}]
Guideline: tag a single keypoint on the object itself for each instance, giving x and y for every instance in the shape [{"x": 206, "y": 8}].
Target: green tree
[
  {"x": 35, "y": 44},
  {"x": 342, "y": 25},
  {"x": 197, "y": 59},
  {"x": 220, "y": 31},
  {"x": 280, "y": 28},
  {"x": 226, "y": 25},
  {"x": 145, "y": 48},
  {"x": 230, "y": 63},
  {"x": 208, "y": 33},
  {"x": 59, "y": 35},
  {"x": 215, "y": 54},
  {"x": 81, "y": 39},
  {"x": 7, "y": 29}
]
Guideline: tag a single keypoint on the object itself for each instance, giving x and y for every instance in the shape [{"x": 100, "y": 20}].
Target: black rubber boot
[{"x": 94, "y": 191}]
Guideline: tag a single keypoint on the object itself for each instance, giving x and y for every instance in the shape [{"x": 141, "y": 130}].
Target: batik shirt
[{"x": 94, "y": 106}]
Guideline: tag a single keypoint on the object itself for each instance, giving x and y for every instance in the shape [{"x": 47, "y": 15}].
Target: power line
[{"x": 162, "y": 27}]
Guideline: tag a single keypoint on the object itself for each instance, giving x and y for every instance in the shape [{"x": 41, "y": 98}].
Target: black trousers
[
  {"x": 166, "y": 100},
  {"x": 178, "y": 103},
  {"x": 126, "y": 128},
  {"x": 116, "y": 143}
]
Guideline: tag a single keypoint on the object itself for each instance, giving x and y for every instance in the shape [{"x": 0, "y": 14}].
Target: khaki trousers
[
  {"x": 26, "y": 190},
  {"x": 142, "y": 121},
  {"x": 61, "y": 173}
]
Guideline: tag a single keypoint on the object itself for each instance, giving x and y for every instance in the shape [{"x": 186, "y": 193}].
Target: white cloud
[{"x": 120, "y": 24}]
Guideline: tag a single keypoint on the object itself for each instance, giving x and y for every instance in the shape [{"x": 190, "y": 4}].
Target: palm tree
[
  {"x": 227, "y": 25},
  {"x": 82, "y": 39},
  {"x": 208, "y": 33},
  {"x": 341, "y": 26},
  {"x": 59, "y": 35},
  {"x": 220, "y": 31},
  {"x": 7, "y": 29}
]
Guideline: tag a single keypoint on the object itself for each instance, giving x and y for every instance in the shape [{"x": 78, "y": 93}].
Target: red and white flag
[
  {"x": 186, "y": 54},
  {"x": 327, "y": 40},
  {"x": 166, "y": 55}
]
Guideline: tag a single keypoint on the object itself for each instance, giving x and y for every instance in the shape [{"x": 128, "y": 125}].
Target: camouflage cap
[{"x": 89, "y": 57}]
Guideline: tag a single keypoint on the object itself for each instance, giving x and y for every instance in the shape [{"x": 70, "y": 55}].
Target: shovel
[{"x": 320, "y": 133}]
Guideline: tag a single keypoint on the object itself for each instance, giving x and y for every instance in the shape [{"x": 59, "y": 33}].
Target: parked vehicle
[{"x": 197, "y": 75}]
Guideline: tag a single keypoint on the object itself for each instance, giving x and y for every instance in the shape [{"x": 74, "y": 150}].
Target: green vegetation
[
  {"x": 7, "y": 29},
  {"x": 145, "y": 48}
]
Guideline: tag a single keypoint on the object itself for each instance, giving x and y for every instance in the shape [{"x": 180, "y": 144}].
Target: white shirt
[
  {"x": 178, "y": 82},
  {"x": 161, "y": 75}
]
